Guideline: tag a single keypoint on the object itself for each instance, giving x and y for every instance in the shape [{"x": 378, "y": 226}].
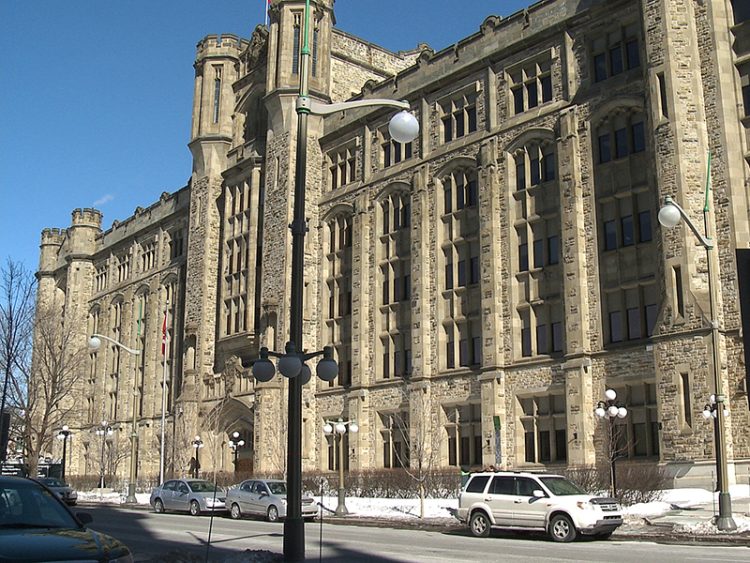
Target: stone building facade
[{"x": 482, "y": 285}]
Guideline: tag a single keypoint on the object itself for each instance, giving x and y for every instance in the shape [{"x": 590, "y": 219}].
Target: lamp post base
[
  {"x": 131, "y": 494},
  {"x": 341, "y": 508},
  {"x": 294, "y": 539},
  {"x": 724, "y": 520}
]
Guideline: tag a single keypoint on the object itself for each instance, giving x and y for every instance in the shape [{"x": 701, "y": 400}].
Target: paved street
[{"x": 151, "y": 536}]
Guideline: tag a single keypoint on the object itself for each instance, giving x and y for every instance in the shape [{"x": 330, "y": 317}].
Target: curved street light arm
[
  {"x": 706, "y": 242},
  {"x": 308, "y": 105},
  {"x": 116, "y": 343}
]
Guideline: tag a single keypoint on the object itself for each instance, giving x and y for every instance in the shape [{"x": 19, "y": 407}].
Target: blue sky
[{"x": 96, "y": 94}]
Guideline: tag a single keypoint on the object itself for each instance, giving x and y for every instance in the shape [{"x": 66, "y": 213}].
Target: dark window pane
[
  {"x": 639, "y": 140},
  {"x": 460, "y": 203},
  {"x": 472, "y": 194},
  {"x": 651, "y": 312},
  {"x": 396, "y": 216},
  {"x": 634, "y": 324},
  {"x": 471, "y": 116},
  {"x": 447, "y": 129},
  {"x": 406, "y": 215},
  {"x": 406, "y": 293},
  {"x": 553, "y": 249},
  {"x": 459, "y": 125},
  {"x": 561, "y": 445},
  {"x": 615, "y": 60},
  {"x": 386, "y": 291},
  {"x": 546, "y": 88},
  {"x": 449, "y": 276},
  {"x": 530, "y": 456},
  {"x": 628, "y": 237},
  {"x": 518, "y": 100},
  {"x": 386, "y": 366},
  {"x": 640, "y": 443},
  {"x": 535, "y": 175},
  {"x": 634, "y": 57},
  {"x": 474, "y": 273},
  {"x": 396, "y": 152},
  {"x": 644, "y": 226},
  {"x": 477, "y": 484},
  {"x": 541, "y": 340},
  {"x": 621, "y": 143},
  {"x": 476, "y": 350},
  {"x": 520, "y": 173},
  {"x": 600, "y": 67},
  {"x": 387, "y": 154},
  {"x": 398, "y": 368},
  {"x": 334, "y": 178},
  {"x": 407, "y": 150},
  {"x": 746, "y": 99},
  {"x": 523, "y": 257},
  {"x": 462, "y": 273},
  {"x": 544, "y": 449},
  {"x": 448, "y": 199},
  {"x": 539, "y": 253},
  {"x": 450, "y": 361},
  {"x": 526, "y": 342},
  {"x": 397, "y": 286},
  {"x": 557, "y": 337},
  {"x": 548, "y": 167},
  {"x": 615, "y": 326},
  {"x": 655, "y": 438},
  {"x": 502, "y": 486},
  {"x": 525, "y": 487},
  {"x": 605, "y": 155},
  {"x": 386, "y": 219},
  {"x": 463, "y": 352},
  {"x": 533, "y": 96},
  {"x": 610, "y": 235}
]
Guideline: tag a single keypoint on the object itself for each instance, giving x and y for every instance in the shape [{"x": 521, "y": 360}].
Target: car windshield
[
  {"x": 52, "y": 482},
  {"x": 561, "y": 486},
  {"x": 25, "y": 504},
  {"x": 203, "y": 487},
  {"x": 277, "y": 487}
]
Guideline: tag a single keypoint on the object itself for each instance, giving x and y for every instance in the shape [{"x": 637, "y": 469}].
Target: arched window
[{"x": 338, "y": 282}]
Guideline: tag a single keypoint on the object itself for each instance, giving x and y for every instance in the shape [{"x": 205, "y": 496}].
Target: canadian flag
[{"x": 164, "y": 335}]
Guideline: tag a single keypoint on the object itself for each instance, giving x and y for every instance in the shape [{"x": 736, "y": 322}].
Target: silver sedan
[
  {"x": 266, "y": 497},
  {"x": 188, "y": 495}
]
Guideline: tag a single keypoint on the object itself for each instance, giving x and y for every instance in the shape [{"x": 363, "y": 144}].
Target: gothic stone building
[{"x": 486, "y": 282}]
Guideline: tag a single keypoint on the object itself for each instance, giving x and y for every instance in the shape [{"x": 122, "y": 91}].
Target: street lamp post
[
  {"x": 403, "y": 128},
  {"x": 235, "y": 443},
  {"x": 95, "y": 343},
  {"x": 104, "y": 431},
  {"x": 63, "y": 435},
  {"x": 611, "y": 410},
  {"x": 669, "y": 216},
  {"x": 340, "y": 428},
  {"x": 197, "y": 444}
]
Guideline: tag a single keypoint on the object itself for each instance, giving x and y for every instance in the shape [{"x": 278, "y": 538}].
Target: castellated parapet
[
  {"x": 52, "y": 240},
  {"x": 220, "y": 45}
]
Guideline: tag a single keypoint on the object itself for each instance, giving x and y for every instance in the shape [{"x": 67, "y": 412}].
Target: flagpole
[
  {"x": 164, "y": 347},
  {"x": 265, "y": 19}
]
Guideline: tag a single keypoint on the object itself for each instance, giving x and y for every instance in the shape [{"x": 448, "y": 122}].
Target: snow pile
[{"x": 708, "y": 528}]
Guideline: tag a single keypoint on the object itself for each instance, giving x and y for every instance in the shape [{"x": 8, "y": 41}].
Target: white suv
[{"x": 532, "y": 501}]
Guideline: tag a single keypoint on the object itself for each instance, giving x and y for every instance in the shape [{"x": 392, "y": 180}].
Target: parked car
[
  {"x": 35, "y": 525},
  {"x": 532, "y": 501},
  {"x": 61, "y": 489},
  {"x": 188, "y": 495},
  {"x": 266, "y": 497}
]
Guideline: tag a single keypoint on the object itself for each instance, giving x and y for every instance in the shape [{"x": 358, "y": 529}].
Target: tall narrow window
[
  {"x": 686, "y": 406},
  {"x": 217, "y": 92},
  {"x": 296, "y": 43},
  {"x": 678, "y": 291},
  {"x": 663, "y": 95},
  {"x": 316, "y": 38}
]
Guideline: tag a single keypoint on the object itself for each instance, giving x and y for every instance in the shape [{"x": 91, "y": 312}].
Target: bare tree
[
  {"x": 44, "y": 389},
  {"x": 420, "y": 431},
  {"x": 17, "y": 289}
]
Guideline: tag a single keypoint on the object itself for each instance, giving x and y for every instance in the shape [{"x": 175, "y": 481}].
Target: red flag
[{"x": 164, "y": 335}]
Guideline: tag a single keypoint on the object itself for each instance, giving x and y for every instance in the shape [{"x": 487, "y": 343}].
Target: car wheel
[
  {"x": 158, "y": 506},
  {"x": 480, "y": 524},
  {"x": 561, "y": 528},
  {"x": 235, "y": 511},
  {"x": 272, "y": 514},
  {"x": 195, "y": 508}
]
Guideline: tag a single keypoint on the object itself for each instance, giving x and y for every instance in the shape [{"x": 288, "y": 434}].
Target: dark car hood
[{"x": 64, "y": 544}]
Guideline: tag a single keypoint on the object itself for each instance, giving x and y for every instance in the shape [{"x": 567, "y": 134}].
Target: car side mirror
[
  {"x": 84, "y": 517},
  {"x": 264, "y": 494},
  {"x": 537, "y": 493}
]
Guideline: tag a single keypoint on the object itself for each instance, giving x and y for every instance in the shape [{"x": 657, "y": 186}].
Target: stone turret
[
  {"x": 52, "y": 240},
  {"x": 85, "y": 227}
]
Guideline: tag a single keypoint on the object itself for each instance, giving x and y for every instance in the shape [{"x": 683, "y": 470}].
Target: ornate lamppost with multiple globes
[
  {"x": 236, "y": 443},
  {"x": 403, "y": 128},
  {"x": 609, "y": 409},
  {"x": 95, "y": 343},
  {"x": 339, "y": 427},
  {"x": 670, "y": 215},
  {"x": 104, "y": 430},
  {"x": 63, "y": 435},
  {"x": 197, "y": 444}
]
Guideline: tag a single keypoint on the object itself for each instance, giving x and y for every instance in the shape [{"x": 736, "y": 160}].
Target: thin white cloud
[{"x": 104, "y": 199}]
